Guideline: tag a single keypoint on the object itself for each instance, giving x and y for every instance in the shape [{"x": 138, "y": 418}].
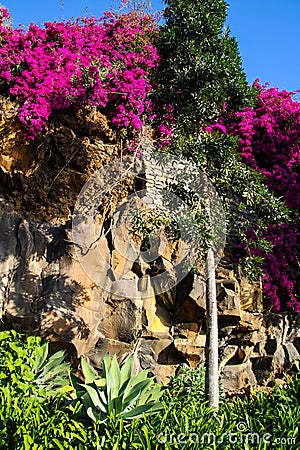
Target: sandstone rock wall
[{"x": 45, "y": 290}]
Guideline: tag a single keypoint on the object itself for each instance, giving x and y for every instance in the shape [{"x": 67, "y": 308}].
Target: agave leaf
[
  {"x": 135, "y": 380},
  {"x": 79, "y": 395},
  {"x": 137, "y": 412},
  {"x": 54, "y": 361},
  {"x": 144, "y": 395},
  {"x": 106, "y": 365},
  {"x": 118, "y": 405},
  {"x": 129, "y": 405},
  {"x": 95, "y": 399},
  {"x": 104, "y": 409},
  {"x": 112, "y": 406},
  {"x": 88, "y": 372},
  {"x": 59, "y": 371},
  {"x": 153, "y": 395},
  {"x": 138, "y": 388},
  {"x": 93, "y": 395},
  {"x": 140, "y": 410},
  {"x": 87, "y": 401},
  {"x": 101, "y": 401},
  {"x": 103, "y": 397},
  {"x": 100, "y": 382},
  {"x": 135, "y": 394},
  {"x": 75, "y": 382},
  {"x": 155, "y": 408},
  {"x": 113, "y": 380},
  {"x": 56, "y": 383},
  {"x": 126, "y": 369},
  {"x": 124, "y": 386},
  {"x": 90, "y": 413}
]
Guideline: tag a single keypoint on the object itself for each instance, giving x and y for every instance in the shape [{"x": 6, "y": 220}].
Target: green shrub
[
  {"x": 276, "y": 413},
  {"x": 188, "y": 383},
  {"x": 24, "y": 364},
  {"x": 33, "y": 412}
]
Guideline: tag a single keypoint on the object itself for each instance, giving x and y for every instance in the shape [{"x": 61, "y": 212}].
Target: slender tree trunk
[{"x": 211, "y": 348}]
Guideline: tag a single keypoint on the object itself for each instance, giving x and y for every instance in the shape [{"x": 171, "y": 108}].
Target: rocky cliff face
[
  {"x": 42, "y": 179},
  {"x": 44, "y": 288}
]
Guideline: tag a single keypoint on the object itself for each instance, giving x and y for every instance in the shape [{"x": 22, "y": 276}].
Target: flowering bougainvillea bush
[
  {"x": 102, "y": 62},
  {"x": 269, "y": 141},
  {"x": 278, "y": 258}
]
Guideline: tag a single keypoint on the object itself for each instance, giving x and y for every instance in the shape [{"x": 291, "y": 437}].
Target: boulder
[{"x": 239, "y": 376}]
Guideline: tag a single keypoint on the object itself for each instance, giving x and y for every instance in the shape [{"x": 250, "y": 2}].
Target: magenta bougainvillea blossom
[
  {"x": 102, "y": 62},
  {"x": 269, "y": 141},
  {"x": 280, "y": 265}
]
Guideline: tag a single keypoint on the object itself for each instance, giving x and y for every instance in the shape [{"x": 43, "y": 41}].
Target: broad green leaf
[
  {"x": 87, "y": 401},
  {"x": 41, "y": 355},
  {"x": 118, "y": 405},
  {"x": 90, "y": 412},
  {"x": 113, "y": 379},
  {"x": 88, "y": 372},
  {"x": 103, "y": 397},
  {"x": 153, "y": 395},
  {"x": 137, "y": 412},
  {"x": 94, "y": 396},
  {"x": 135, "y": 380},
  {"x": 106, "y": 365},
  {"x": 137, "y": 389},
  {"x": 124, "y": 386},
  {"x": 54, "y": 361},
  {"x": 126, "y": 369},
  {"x": 100, "y": 382},
  {"x": 76, "y": 383}
]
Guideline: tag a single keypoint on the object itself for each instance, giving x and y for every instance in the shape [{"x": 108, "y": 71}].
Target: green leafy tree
[
  {"x": 200, "y": 68},
  {"x": 201, "y": 74},
  {"x": 200, "y": 71}
]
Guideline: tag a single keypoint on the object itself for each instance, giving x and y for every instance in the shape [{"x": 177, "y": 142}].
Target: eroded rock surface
[{"x": 45, "y": 290}]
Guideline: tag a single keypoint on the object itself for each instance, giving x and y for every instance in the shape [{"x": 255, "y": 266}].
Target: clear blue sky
[{"x": 267, "y": 31}]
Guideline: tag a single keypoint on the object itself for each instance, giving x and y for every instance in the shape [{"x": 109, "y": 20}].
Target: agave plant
[{"x": 116, "y": 394}]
